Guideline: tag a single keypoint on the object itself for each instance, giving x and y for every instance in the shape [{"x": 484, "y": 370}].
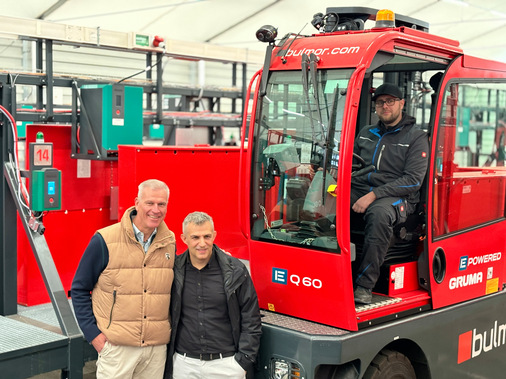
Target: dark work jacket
[
  {"x": 242, "y": 305},
  {"x": 400, "y": 156}
]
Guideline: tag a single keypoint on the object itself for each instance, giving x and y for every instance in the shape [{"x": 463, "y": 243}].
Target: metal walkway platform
[{"x": 31, "y": 343}]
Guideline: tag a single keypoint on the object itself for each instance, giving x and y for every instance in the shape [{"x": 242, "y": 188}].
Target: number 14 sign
[{"x": 41, "y": 155}]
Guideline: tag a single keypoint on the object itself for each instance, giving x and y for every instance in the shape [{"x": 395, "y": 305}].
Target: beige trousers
[
  {"x": 190, "y": 368},
  {"x": 132, "y": 362}
]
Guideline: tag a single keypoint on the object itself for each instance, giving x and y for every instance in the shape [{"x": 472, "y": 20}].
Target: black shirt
[{"x": 205, "y": 325}]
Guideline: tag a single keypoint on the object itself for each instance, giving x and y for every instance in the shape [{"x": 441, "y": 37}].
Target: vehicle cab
[{"x": 310, "y": 100}]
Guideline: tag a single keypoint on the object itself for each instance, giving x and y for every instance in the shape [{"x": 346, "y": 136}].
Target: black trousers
[{"x": 380, "y": 219}]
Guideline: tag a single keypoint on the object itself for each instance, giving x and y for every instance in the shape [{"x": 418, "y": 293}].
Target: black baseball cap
[{"x": 387, "y": 89}]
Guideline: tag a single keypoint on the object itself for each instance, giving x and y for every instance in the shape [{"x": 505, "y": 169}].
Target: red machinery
[
  {"x": 86, "y": 206},
  {"x": 95, "y": 193},
  {"x": 445, "y": 272}
]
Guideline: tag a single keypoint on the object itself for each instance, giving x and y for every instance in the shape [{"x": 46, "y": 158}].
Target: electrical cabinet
[{"x": 111, "y": 115}]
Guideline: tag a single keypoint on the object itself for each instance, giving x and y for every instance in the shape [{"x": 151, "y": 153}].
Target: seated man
[{"x": 386, "y": 196}]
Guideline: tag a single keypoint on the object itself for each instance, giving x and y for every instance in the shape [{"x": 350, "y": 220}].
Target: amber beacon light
[{"x": 385, "y": 18}]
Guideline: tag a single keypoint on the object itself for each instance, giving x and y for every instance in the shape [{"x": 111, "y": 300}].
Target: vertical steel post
[
  {"x": 74, "y": 120},
  {"x": 149, "y": 95},
  {"x": 234, "y": 83},
  {"x": 149, "y": 77},
  {"x": 38, "y": 65},
  {"x": 8, "y": 246},
  {"x": 244, "y": 112},
  {"x": 169, "y": 137},
  {"x": 244, "y": 84},
  {"x": 50, "y": 81},
  {"x": 159, "y": 87}
]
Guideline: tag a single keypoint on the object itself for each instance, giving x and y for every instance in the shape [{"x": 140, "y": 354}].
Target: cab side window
[{"x": 470, "y": 177}]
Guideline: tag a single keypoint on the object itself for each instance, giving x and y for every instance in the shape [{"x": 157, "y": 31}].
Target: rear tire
[{"x": 389, "y": 364}]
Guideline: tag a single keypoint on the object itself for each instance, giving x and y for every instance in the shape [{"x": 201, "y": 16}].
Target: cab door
[{"x": 466, "y": 197}]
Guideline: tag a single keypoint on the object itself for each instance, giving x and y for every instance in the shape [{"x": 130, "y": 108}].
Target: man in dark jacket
[
  {"x": 216, "y": 323},
  {"x": 386, "y": 196}
]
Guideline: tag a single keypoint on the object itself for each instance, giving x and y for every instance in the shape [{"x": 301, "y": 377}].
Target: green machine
[
  {"x": 45, "y": 190},
  {"x": 111, "y": 115},
  {"x": 45, "y": 180}
]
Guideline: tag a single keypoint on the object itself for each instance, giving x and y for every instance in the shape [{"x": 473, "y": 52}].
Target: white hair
[
  {"x": 197, "y": 218},
  {"x": 154, "y": 184}
]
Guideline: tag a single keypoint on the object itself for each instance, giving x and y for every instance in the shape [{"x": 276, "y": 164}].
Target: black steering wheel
[{"x": 360, "y": 165}]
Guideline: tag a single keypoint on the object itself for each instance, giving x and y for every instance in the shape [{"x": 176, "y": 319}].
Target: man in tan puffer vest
[{"x": 128, "y": 270}]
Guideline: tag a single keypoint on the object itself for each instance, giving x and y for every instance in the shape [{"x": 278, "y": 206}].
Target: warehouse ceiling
[{"x": 479, "y": 25}]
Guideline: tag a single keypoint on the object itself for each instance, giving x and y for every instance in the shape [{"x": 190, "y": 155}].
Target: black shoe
[{"x": 363, "y": 295}]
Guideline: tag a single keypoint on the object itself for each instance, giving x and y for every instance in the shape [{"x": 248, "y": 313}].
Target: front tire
[{"x": 389, "y": 364}]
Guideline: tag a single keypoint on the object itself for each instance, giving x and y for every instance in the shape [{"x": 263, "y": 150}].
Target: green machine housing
[
  {"x": 45, "y": 189},
  {"x": 111, "y": 115}
]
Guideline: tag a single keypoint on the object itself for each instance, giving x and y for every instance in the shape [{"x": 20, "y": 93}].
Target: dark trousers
[{"x": 380, "y": 218}]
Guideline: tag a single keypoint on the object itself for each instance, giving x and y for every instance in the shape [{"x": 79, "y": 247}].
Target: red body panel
[
  {"x": 475, "y": 198},
  {"x": 352, "y": 49},
  {"x": 85, "y": 208},
  {"x": 199, "y": 178},
  {"x": 475, "y": 265},
  {"x": 474, "y": 253},
  {"x": 312, "y": 286},
  {"x": 402, "y": 278},
  {"x": 80, "y": 190},
  {"x": 67, "y": 235}
]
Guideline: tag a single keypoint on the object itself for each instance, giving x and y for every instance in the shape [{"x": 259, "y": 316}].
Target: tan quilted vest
[{"x": 132, "y": 295}]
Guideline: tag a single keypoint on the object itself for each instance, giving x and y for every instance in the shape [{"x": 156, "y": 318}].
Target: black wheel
[{"x": 389, "y": 364}]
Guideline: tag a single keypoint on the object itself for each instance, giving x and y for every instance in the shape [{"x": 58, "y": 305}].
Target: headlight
[{"x": 282, "y": 369}]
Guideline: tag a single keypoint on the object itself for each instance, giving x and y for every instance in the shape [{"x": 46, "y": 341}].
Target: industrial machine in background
[
  {"x": 111, "y": 115},
  {"x": 58, "y": 191}
]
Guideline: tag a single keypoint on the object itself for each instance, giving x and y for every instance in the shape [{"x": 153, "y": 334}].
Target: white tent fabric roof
[{"x": 479, "y": 25}]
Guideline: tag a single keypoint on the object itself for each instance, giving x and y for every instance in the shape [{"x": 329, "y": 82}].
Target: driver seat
[{"x": 403, "y": 242}]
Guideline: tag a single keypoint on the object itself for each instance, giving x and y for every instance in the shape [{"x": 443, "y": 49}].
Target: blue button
[{"x": 51, "y": 188}]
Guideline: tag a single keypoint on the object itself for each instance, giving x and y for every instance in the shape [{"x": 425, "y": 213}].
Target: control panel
[
  {"x": 46, "y": 189},
  {"x": 45, "y": 181}
]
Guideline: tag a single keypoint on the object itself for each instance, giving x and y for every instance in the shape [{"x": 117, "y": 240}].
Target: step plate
[{"x": 378, "y": 301}]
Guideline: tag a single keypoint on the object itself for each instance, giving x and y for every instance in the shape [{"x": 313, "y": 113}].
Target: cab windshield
[{"x": 296, "y": 157}]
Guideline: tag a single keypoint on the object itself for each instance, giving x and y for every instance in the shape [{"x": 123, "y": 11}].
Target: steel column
[
  {"x": 39, "y": 67},
  {"x": 8, "y": 251},
  {"x": 49, "y": 78},
  {"x": 234, "y": 83},
  {"x": 159, "y": 87}
]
